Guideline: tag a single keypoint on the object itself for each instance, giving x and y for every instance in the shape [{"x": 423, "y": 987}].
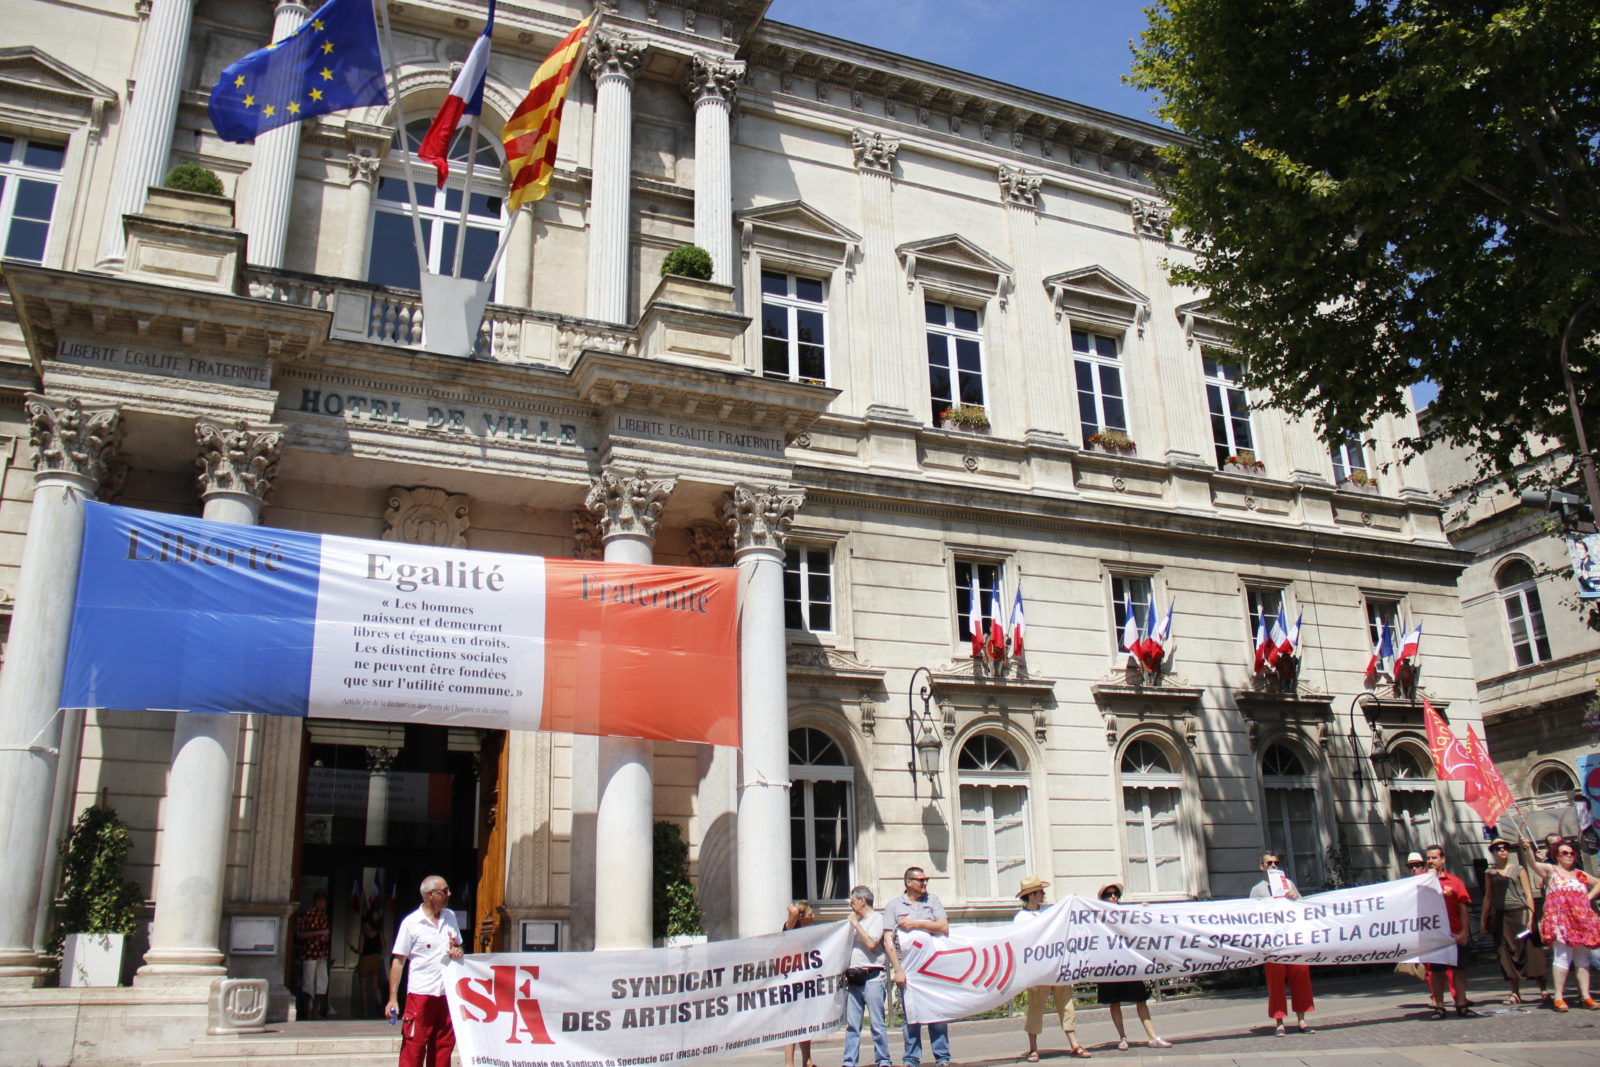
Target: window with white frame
[
  {"x": 1098, "y": 370},
  {"x": 1152, "y": 832},
  {"x": 30, "y": 176},
  {"x": 1290, "y": 793},
  {"x": 808, "y": 588},
  {"x": 1380, "y": 614},
  {"x": 821, "y": 829},
  {"x": 793, "y": 328},
  {"x": 1129, "y": 592},
  {"x": 1530, "y": 643},
  {"x": 1230, "y": 410},
  {"x": 1349, "y": 460},
  {"x": 1411, "y": 790},
  {"x": 392, "y": 259},
  {"x": 955, "y": 357},
  {"x": 995, "y": 849},
  {"x": 1263, "y": 606},
  {"x": 985, "y": 578}
]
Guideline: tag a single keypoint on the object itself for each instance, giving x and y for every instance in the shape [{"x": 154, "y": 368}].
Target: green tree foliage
[
  {"x": 193, "y": 178},
  {"x": 675, "y": 910},
  {"x": 96, "y": 899},
  {"x": 1381, "y": 192},
  {"x": 690, "y": 261}
]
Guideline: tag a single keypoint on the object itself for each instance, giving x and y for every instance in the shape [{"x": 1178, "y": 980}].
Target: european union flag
[{"x": 332, "y": 63}]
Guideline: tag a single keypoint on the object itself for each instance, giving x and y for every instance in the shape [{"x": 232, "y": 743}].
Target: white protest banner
[
  {"x": 1081, "y": 940},
  {"x": 651, "y": 1006}
]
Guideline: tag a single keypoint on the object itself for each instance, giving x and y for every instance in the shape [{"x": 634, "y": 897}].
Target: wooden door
[{"x": 488, "y": 915}]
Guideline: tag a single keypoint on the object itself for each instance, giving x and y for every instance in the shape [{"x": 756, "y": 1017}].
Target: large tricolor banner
[
  {"x": 181, "y": 614},
  {"x": 651, "y": 1006}
]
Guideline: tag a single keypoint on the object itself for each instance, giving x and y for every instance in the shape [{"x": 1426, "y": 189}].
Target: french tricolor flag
[{"x": 464, "y": 104}]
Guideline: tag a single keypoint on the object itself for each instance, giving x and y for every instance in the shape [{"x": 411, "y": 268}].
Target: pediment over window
[
  {"x": 40, "y": 92},
  {"x": 1094, "y": 296},
  {"x": 953, "y": 266},
  {"x": 1202, "y": 324},
  {"x": 795, "y": 235}
]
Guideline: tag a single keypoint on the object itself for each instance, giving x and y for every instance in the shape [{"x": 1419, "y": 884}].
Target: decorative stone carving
[
  {"x": 710, "y": 76},
  {"x": 236, "y": 459},
  {"x": 1041, "y": 721},
  {"x": 363, "y": 167},
  {"x": 614, "y": 55},
  {"x": 237, "y": 1006},
  {"x": 869, "y": 714},
  {"x": 652, "y": 10},
  {"x": 628, "y": 503},
  {"x": 586, "y": 543},
  {"x": 423, "y": 516},
  {"x": 873, "y": 150},
  {"x": 761, "y": 517},
  {"x": 68, "y": 438},
  {"x": 688, "y": 19},
  {"x": 1151, "y": 218},
  {"x": 380, "y": 758},
  {"x": 710, "y": 546},
  {"x": 1019, "y": 186}
]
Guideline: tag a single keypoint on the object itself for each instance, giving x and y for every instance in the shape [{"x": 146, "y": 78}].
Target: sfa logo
[{"x": 507, "y": 991}]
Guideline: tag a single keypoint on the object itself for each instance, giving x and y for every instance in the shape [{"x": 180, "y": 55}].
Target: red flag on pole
[
  {"x": 1497, "y": 796},
  {"x": 1453, "y": 761}
]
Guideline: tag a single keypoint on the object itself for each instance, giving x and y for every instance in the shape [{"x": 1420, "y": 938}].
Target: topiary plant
[
  {"x": 689, "y": 261},
  {"x": 96, "y": 899},
  {"x": 193, "y": 178}
]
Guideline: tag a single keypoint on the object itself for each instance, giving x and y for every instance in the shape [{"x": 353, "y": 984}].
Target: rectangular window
[
  {"x": 1379, "y": 614},
  {"x": 1292, "y": 832},
  {"x": 955, "y": 358},
  {"x": 819, "y": 839},
  {"x": 1129, "y": 592},
  {"x": 793, "y": 328},
  {"x": 1230, "y": 411},
  {"x": 1264, "y": 606},
  {"x": 988, "y": 577},
  {"x": 1152, "y": 839},
  {"x": 1349, "y": 459},
  {"x": 1530, "y": 643},
  {"x": 1099, "y": 377},
  {"x": 808, "y": 589},
  {"x": 994, "y": 839},
  {"x": 30, "y": 174}
]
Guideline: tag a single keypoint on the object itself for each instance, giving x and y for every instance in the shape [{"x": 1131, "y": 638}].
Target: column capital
[
  {"x": 1151, "y": 218},
  {"x": 380, "y": 758},
  {"x": 873, "y": 150},
  {"x": 710, "y": 77},
  {"x": 70, "y": 439},
  {"x": 613, "y": 55},
  {"x": 236, "y": 459},
  {"x": 363, "y": 167},
  {"x": 300, "y": 6},
  {"x": 1018, "y": 186},
  {"x": 760, "y": 517},
  {"x": 629, "y": 503}
]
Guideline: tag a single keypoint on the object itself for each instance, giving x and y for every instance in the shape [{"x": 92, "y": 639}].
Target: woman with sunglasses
[
  {"x": 1507, "y": 913},
  {"x": 1569, "y": 920},
  {"x": 1116, "y": 994}
]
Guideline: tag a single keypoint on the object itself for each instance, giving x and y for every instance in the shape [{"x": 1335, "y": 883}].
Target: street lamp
[
  {"x": 1355, "y": 742},
  {"x": 920, "y": 725}
]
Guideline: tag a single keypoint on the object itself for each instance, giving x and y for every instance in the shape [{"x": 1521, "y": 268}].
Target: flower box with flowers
[
  {"x": 969, "y": 418},
  {"x": 1359, "y": 482},
  {"x": 1244, "y": 462},
  {"x": 1114, "y": 441}
]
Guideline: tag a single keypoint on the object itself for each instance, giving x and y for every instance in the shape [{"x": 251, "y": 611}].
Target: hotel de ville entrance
[{"x": 383, "y": 806}]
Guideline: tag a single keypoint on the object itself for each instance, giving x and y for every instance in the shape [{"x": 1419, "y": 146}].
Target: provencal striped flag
[{"x": 530, "y": 135}]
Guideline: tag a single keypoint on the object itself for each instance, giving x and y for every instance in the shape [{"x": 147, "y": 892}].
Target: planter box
[
  {"x": 1108, "y": 450},
  {"x": 946, "y": 424},
  {"x": 1255, "y": 470},
  {"x": 91, "y": 960},
  {"x": 1358, "y": 487}
]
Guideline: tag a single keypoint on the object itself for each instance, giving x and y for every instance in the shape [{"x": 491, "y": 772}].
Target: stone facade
[{"x": 878, "y": 209}]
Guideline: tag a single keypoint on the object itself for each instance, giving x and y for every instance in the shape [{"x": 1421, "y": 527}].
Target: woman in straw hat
[{"x": 1031, "y": 894}]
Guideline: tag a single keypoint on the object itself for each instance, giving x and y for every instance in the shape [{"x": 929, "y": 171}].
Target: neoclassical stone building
[{"x": 891, "y": 240}]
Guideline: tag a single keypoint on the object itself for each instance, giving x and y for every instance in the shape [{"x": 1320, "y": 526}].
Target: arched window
[
  {"x": 995, "y": 850},
  {"x": 393, "y": 258},
  {"x": 1524, "y": 615},
  {"x": 1553, "y": 786},
  {"x": 1411, "y": 789},
  {"x": 1291, "y": 798},
  {"x": 1152, "y": 837},
  {"x": 821, "y": 834}
]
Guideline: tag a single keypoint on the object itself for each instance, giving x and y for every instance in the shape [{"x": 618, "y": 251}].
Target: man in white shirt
[
  {"x": 426, "y": 938},
  {"x": 870, "y": 952}
]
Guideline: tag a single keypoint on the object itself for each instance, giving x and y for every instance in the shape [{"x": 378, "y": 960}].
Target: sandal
[
  {"x": 1160, "y": 1042},
  {"x": 1032, "y": 1057},
  {"x": 1558, "y": 1004},
  {"x": 1436, "y": 1012},
  {"x": 1307, "y": 1028},
  {"x": 1081, "y": 1053},
  {"x": 1513, "y": 999},
  {"x": 1465, "y": 1011},
  {"x": 1279, "y": 1032},
  {"x": 1122, "y": 1046}
]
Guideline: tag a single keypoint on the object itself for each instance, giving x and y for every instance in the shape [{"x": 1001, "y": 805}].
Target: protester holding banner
[
  {"x": 1031, "y": 894},
  {"x": 1275, "y": 884},
  {"x": 1454, "y": 974},
  {"x": 918, "y": 909},
  {"x": 1507, "y": 917},
  {"x": 1116, "y": 994},
  {"x": 1569, "y": 920},
  {"x": 799, "y": 915},
  {"x": 426, "y": 939},
  {"x": 867, "y": 988}
]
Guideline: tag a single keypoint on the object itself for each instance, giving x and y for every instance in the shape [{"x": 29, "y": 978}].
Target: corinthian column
[
  {"x": 628, "y": 505},
  {"x": 760, "y": 519},
  {"x": 358, "y": 213},
  {"x": 711, "y": 85},
  {"x": 145, "y": 139},
  {"x": 875, "y": 155},
  {"x": 71, "y": 446},
  {"x": 266, "y": 211},
  {"x": 612, "y": 61},
  {"x": 237, "y": 466}
]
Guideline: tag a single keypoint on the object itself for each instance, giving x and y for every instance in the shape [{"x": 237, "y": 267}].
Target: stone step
[{"x": 295, "y": 1046}]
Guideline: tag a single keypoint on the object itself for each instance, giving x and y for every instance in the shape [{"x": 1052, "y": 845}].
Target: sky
[{"x": 1073, "y": 49}]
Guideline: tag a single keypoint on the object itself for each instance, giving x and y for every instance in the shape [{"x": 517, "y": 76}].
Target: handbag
[{"x": 861, "y": 975}]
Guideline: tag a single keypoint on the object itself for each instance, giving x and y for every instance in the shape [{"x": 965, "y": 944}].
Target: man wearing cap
[
  {"x": 1275, "y": 885},
  {"x": 426, "y": 939},
  {"x": 1031, "y": 893},
  {"x": 917, "y": 909}
]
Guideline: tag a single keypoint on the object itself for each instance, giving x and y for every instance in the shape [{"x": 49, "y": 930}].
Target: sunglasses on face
[
  {"x": 1415, "y": 865},
  {"x": 1500, "y": 848},
  {"x": 1565, "y": 852},
  {"x": 1111, "y": 896}
]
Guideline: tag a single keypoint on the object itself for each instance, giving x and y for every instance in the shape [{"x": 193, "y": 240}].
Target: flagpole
[
  {"x": 505, "y": 241},
  {"x": 466, "y": 195},
  {"x": 405, "y": 143}
]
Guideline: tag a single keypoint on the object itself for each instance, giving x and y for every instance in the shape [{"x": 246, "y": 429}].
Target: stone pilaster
[
  {"x": 72, "y": 446},
  {"x": 1045, "y": 407},
  {"x": 358, "y": 213},
  {"x": 145, "y": 139},
  {"x": 760, "y": 519},
  {"x": 265, "y": 211},
  {"x": 612, "y": 59},
  {"x": 711, "y": 84},
  {"x": 875, "y": 156},
  {"x": 628, "y": 505}
]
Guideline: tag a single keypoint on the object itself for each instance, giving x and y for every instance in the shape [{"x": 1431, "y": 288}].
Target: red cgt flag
[
  {"x": 1497, "y": 796},
  {"x": 1453, "y": 760}
]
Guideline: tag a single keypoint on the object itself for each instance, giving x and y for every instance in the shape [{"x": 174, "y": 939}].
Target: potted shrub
[
  {"x": 1245, "y": 461},
  {"x": 99, "y": 907},
  {"x": 688, "y": 261},
  {"x": 1112, "y": 441},
  {"x": 190, "y": 193},
  {"x": 969, "y": 417},
  {"x": 193, "y": 178},
  {"x": 675, "y": 915}
]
